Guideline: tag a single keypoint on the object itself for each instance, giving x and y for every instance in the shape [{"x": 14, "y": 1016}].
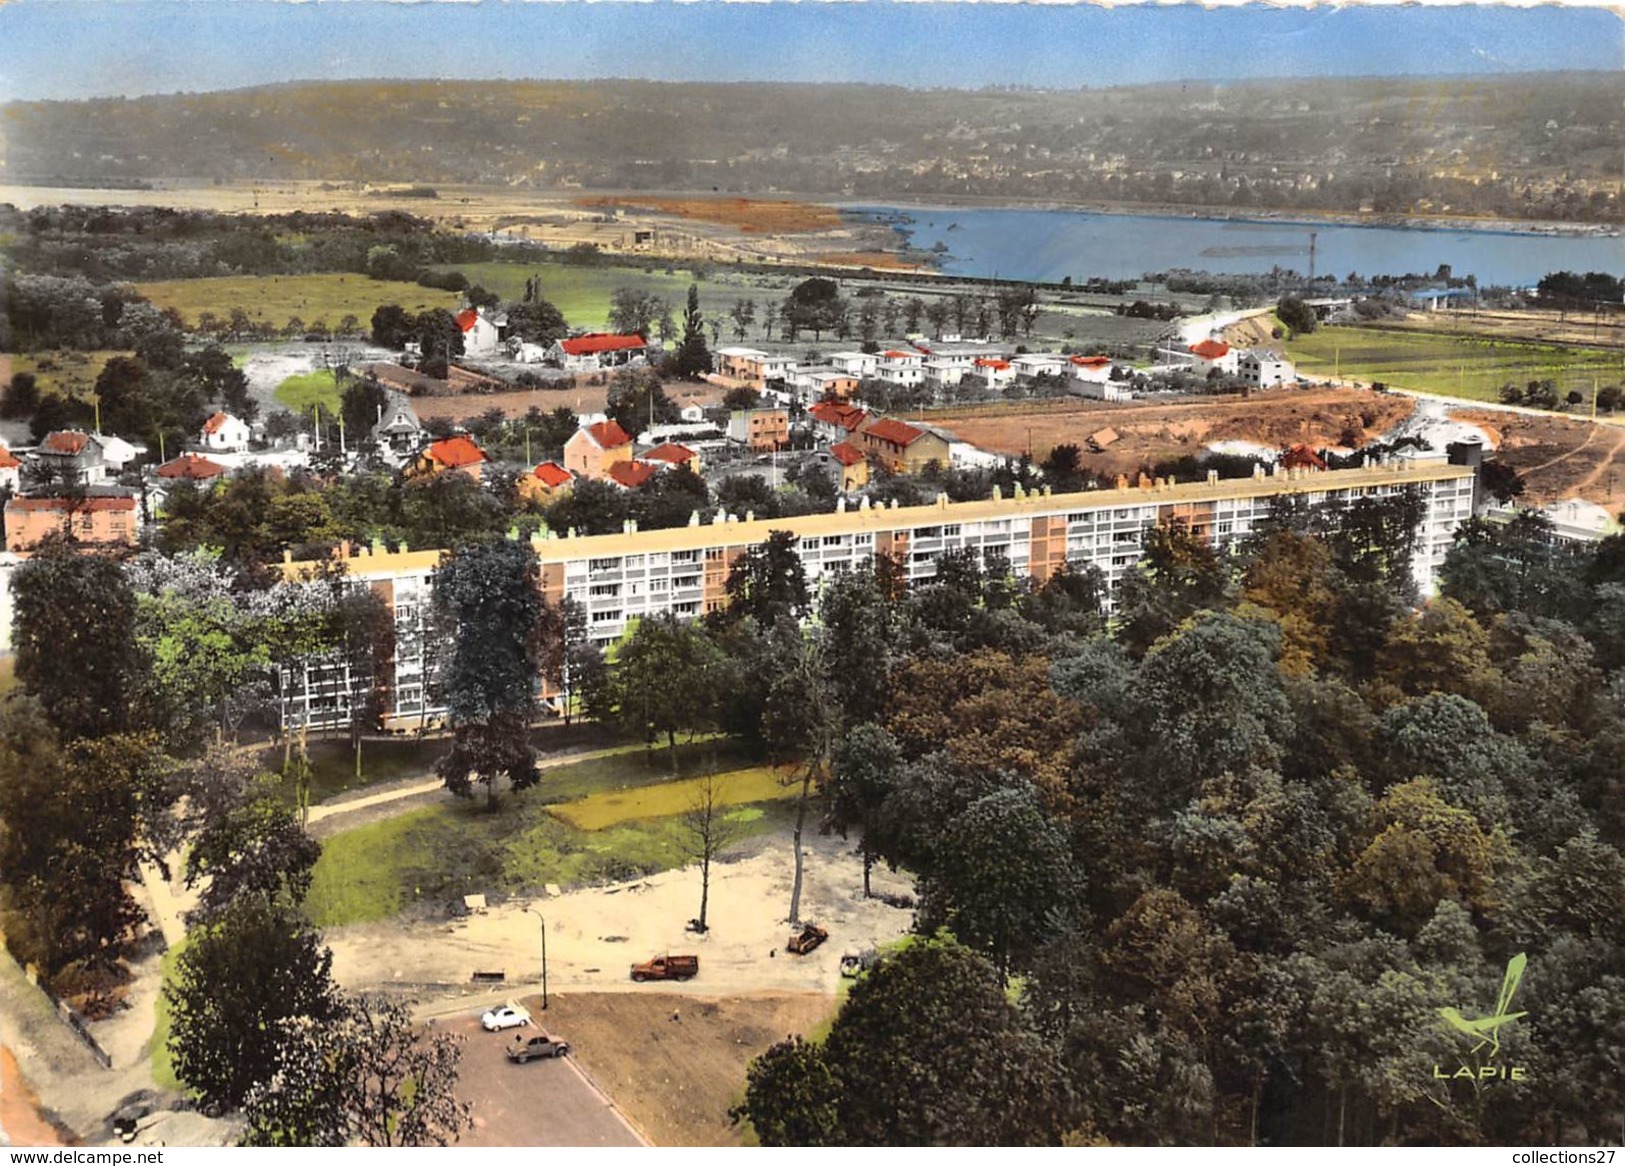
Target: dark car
[{"x": 541, "y": 1044}]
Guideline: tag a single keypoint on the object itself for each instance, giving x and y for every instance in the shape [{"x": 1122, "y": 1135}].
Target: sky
[{"x": 94, "y": 48}]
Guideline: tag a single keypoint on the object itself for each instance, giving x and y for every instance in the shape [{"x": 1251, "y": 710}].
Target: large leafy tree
[
  {"x": 257, "y": 847},
  {"x": 368, "y": 1077},
  {"x": 768, "y": 582},
  {"x": 666, "y": 671},
  {"x": 1179, "y": 575},
  {"x": 258, "y": 964},
  {"x": 489, "y": 595}
]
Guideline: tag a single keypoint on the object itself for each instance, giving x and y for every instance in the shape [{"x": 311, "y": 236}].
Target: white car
[{"x": 510, "y": 1015}]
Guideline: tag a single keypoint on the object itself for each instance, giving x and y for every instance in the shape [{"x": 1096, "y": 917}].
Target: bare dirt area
[
  {"x": 1559, "y": 457},
  {"x": 754, "y": 216},
  {"x": 674, "y": 1064},
  {"x": 595, "y": 934},
  {"x": 1155, "y": 431}
]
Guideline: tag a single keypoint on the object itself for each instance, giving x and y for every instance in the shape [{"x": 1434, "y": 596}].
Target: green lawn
[
  {"x": 299, "y": 394},
  {"x": 1456, "y": 366},
  {"x": 273, "y": 299},
  {"x": 163, "y": 1070},
  {"x": 437, "y": 854},
  {"x": 741, "y": 787},
  {"x": 65, "y": 373}
]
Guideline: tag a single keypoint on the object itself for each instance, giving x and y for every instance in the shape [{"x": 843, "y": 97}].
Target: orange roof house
[
  {"x": 593, "y": 449},
  {"x": 191, "y": 467},
  {"x": 1301, "y": 457},
  {"x": 1210, "y": 349},
  {"x": 631, "y": 475},
  {"x": 901, "y": 447},
  {"x": 854, "y": 466},
  {"x": 597, "y": 350},
  {"x": 673, "y": 455},
  {"x": 546, "y": 482},
  {"x": 459, "y": 453},
  {"x": 100, "y": 521}
]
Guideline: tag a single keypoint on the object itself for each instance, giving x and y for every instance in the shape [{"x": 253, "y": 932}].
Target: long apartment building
[{"x": 618, "y": 578}]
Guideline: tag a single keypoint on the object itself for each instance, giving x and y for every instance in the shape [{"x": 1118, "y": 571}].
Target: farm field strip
[{"x": 274, "y": 299}]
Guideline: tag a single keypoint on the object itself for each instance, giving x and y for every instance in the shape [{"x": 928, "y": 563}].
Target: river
[{"x": 1048, "y": 245}]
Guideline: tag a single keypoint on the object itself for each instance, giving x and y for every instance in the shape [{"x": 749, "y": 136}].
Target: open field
[
  {"x": 301, "y": 393},
  {"x": 1456, "y": 366},
  {"x": 273, "y": 299},
  {"x": 1539, "y": 326},
  {"x": 438, "y": 853},
  {"x": 65, "y": 373},
  {"x": 1559, "y": 457},
  {"x": 1155, "y": 431},
  {"x": 677, "y": 1079},
  {"x": 741, "y": 787}
]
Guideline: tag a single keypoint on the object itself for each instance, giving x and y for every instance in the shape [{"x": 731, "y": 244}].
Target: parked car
[
  {"x": 510, "y": 1015},
  {"x": 526, "y": 1047},
  {"x": 809, "y": 937},
  {"x": 667, "y": 967},
  {"x": 853, "y": 965}
]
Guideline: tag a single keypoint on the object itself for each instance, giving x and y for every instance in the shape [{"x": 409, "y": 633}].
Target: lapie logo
[{"x": 1486, "y": 1030}]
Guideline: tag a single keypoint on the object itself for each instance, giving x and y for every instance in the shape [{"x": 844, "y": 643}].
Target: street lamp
[{"x": 543, "y": 922}]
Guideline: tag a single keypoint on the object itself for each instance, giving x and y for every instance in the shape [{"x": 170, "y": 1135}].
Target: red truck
[{"x": 667, "y": 967}]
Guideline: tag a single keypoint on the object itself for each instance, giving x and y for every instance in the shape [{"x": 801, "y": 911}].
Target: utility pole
[{"x": 543, "y": 922}]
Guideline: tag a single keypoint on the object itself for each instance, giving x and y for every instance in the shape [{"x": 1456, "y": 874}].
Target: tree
[
  {"x": 632, "y": 310},
  {"x": 768, "y": 583},
  {"x": 665, "y": 676},
  {"x": 438, "y": 334},
  {"x": 1296, "y": 315},
  {"x": 1179, "y": 575},
  {"x": 489, "y": 593},
  {"x": 256, "y": 965},
  {"x": 362, "y": 407},
  {"x": 637, "y": 400},
  {"x": 75, "y": 640},
  {"x": 743, "y": 314},
  {"x": 741, "y": 397},
  {"x": 791, "y": 1097},
  {"x": 863, "y": 774},
  {"x": 706, "y": 829},
  {"x": 392, "y": 326},
  {"x": 814, "y": 305},
  {"x": 693, "y": 358},
  {"x": 369, "y": 1077},
  {"x": 256, "y": 848}
]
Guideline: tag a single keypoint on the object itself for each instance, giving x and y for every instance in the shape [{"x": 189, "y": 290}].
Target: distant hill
[{"x": 1540, "y": 145}]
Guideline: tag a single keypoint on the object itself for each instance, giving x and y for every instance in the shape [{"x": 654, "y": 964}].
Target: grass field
[
  {"x": 163, "y": 1069},
  {"x": 739, "y": 788},
  {"x": 437, "y": 854},
  {"x": 65, "y": 373},
  {"x": 298, "y": 394},
  {"x": 1455, "y": 366},
  {"x": 273, "y": 299}
]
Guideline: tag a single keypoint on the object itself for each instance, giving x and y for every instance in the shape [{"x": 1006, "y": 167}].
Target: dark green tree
[
  {"x": 693, "y": 356},
  {"x": 768, "y": 583}
]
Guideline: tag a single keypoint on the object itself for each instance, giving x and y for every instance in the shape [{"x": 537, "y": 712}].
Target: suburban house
[
  {"x": 1101, "y": 390},
  {"x": 999, "y": 374},
  {"x": 597, "y": 350},
  {"x": 822, "y": 383},
  {"x": 945, "y": 374},
  {"x": 191, "y": 467},
  {"x": 834, "y": 422},
  {"x": 481, "y": 334},
  {"x": 901, "y": 368},
  {"x": 631, "y": 475},
  {"x": 11, "y": 471},
  {"x": 545, "y": 483},
  {"x": 398, "y": 430},
  {"x": 760, "y": 429},
  {"x": 1262, "y": 368},
  {"x": 673, "y": 455},
  {"x": 900, "y": 447},
  {"x": 1097, "y": 369},
  {"x": 753, "y": 366},
  {"x": 98, "y": 520},
  {"x": 224, "y": 433},
  {"x": 1213, "y": 354},
  {"x": 593, "y": 449},
  {"x": 1035, "y": 364},
  {"x": 855, "y": 364},
  {"x": 72, "y": 457},
  {"x": 853, "y": 466},
  {"x": 459, "y": 453}
]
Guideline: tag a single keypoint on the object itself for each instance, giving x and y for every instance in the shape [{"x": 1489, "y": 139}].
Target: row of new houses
[{"x": 623, "y": 577}]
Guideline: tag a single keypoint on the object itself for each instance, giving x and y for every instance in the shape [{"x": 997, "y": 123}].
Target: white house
[
  {"x": 1095, "y": 369},
  {"x": 1213, "y": 354},
  {"x": 597, "y": 350},
  {"x": 1034, "y": 364},
  {"x": 753, "y": 366},
  {"x": 481, "y": 336},
  {"x": 224, "y": 433},
  {"x": 901, "y": 368},
  {"x": 1263, "y": 368},
  {"x": 858, "y": 364},
  {"x": 999, "y": 374},
  {"x": 945, "y": 374}
]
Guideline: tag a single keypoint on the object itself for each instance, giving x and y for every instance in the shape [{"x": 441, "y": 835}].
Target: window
[
  {"x": 596, "y": 565},
  {"x": 606, "y": 616},
  {"x": 951, "y": 531},
  {"x": 834, "y": 540},
  {"x": 605, "y": 589},
  {"x": 685, "y": 556}
]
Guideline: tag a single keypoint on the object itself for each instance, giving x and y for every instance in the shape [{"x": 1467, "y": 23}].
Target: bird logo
[{"x": 1487, "y": 1029}]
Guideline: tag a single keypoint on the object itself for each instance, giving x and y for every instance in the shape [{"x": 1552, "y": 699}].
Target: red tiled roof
[
  {"x": 1091, "y": 361},
  {"x": 848, "y": 417},
  {"x": 608, "y": 434},
  {"x": 70, "y": 441},
  {"x": 1210, "y": 349},
  {"x": 594, "y": 342},
  {"x": 989, "y": 362},
  {"x": 631, "y": 474},
  {"x": 895, "y": 355},
  {"x": 122, "y": 502},
  {"x": 213, "y": 424},
  {"x": 467, "y": 318},
  {"x": 457, "y": 452},
  {"x": 551, "y": 474},
  {"x": 1301, "y": 456},
  {"x": 192, "y": 467},
  {"x": 896, "y": 432},
  {"x": 8, "y": 460},
  {"x": 671, "y": 452},
  {"x": 846, "y": 453}
]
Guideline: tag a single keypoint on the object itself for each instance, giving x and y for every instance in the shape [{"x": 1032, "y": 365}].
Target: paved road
[{"x": 540, "y": 1103}]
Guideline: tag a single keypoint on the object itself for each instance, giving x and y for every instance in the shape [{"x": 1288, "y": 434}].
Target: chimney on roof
[
  {"x": 287, "y": 556},
  {"x": 998, "y": 492},
  {"x": 750, "y": 516},
  {"x": 840, "y": 504},
  {"x": 404, "y": 547},
  {"x": 1258, "y": 472},
  {"x": 694, "y": 518},
  {"x": 1122, "y": 482},
  {"x": 377, "y": 546},
  {"x": 864, "y": 505},
  {"x": 1017, "y": 492},
  {"x": 942, "y": 500},
  {"x": 1213, "y": 477},
  {"x": 344, "y": 549}
]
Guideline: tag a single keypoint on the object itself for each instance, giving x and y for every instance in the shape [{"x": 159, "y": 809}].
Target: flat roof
[{"x": 709, "y": 534}]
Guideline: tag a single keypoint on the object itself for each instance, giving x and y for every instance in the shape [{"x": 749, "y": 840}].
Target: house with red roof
[
  {"x": 545, "y": 483},
  {"x": 672, "y": 455},
  {"x": 1213, "y": 354},
  {"x": 99, "y": 521},
  {"x": 593, "y": 449},
  {"x": 900, "y": 447},
  {"x": 833, "y": 421},
  {"x": 598, "y": 350},
  {"x": 999, "y": 374},
  {"x": 191, "y": 467},
  {"x": 72, "y": 457},
  {"x": 481, "y": 334},
  {"x": 631, "y": 475},
  {"x": 1093, "y": 369},
  {"x": 459, "y": 454},
  {"x": 900, "y": 368},
  {"x": 853, "y": 466},
  {"x": 11, "y": 471},
  {"x": 224, "y": 433}
]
